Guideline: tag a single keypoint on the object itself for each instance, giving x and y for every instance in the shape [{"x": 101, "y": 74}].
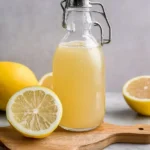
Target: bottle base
[{"x": 78, "y": 129}]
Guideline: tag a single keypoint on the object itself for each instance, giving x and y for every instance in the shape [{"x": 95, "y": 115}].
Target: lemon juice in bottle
[{"x": 79, "y": 73}]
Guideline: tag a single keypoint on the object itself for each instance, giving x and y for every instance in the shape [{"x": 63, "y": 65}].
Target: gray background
[{"x": 31, "y": 29}]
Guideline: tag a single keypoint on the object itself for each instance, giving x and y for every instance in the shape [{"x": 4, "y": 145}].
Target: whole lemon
[{"x": 14, "y": 77}]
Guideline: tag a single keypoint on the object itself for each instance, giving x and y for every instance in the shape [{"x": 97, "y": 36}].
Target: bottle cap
[{"x": 78, "y": 3}]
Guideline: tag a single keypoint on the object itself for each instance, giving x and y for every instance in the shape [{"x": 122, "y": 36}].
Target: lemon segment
[
  {"x": 47, "y": 80},
  {"x": 34, "y": 111},
  {"x": 137, "y": 94}
]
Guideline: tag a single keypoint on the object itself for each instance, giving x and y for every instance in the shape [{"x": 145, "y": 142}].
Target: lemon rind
[{"x": 44, "y": 77}]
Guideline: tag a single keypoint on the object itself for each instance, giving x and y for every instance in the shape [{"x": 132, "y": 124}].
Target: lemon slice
[
  {"x": 34, "y": 111},
  {"x": 137, "y": 94},
  {"x": 46, "y": 80}
]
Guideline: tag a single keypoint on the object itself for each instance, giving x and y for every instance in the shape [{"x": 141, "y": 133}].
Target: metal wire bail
[{"x": 65, "y": 4}]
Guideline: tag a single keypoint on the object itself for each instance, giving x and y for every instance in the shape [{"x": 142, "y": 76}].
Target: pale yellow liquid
[{"x": 78, "y": 81}]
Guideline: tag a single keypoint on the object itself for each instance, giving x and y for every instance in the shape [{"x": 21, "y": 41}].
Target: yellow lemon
[
  {"x": 13, "y": 77},
  {"x": 47, "y": 80},
  {"x": 34, "y": 111},
  {"x": 137, "y": 94}
]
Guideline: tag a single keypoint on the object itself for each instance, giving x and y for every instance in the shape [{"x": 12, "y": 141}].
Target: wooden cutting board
[{"x": 62, "y": 140}]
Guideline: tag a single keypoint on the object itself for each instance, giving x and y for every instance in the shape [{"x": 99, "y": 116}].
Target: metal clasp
[
  {"x": 88, "y": 4},
  {"x": 64, "y": 13},
  {"x": 103, "y": 41}
]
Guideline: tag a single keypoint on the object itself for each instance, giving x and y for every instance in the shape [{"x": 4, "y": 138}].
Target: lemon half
[
  {"x": 34, "y": 111},
  {"x": 137, "y": 94},
  {"x": 47, "y": 80}
]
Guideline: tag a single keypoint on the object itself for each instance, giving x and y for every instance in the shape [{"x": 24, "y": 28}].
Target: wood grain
[{"x": 97, "y": 139}]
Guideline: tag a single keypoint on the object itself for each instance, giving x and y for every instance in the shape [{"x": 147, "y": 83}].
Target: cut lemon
[
  {"x": 137, "y": 94},
  {"x": 34, "y": 111},
  {"x": 46, "y": 80}
]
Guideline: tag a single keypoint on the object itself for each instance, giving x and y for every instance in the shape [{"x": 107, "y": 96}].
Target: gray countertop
[{"x": 117, "y": 112}]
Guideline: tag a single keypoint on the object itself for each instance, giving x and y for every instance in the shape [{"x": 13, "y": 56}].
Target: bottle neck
[{"x": 79, "y": 21}]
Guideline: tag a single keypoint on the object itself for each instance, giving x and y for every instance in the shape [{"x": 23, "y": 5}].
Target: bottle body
[{"x": 79, "y": 82}]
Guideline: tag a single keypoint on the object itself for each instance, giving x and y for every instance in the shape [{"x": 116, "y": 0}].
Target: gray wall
[{"x": 31, "y": 29}]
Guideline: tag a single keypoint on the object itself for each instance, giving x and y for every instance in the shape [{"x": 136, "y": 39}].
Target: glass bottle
[{"x": 79, "y": 70}]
